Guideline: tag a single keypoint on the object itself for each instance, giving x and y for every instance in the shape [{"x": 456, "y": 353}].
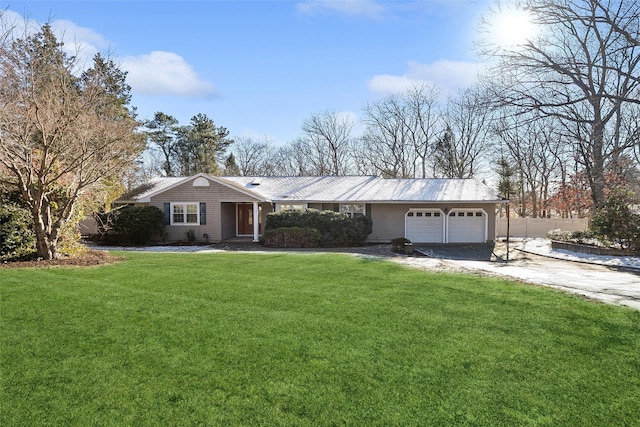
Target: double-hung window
[
  {"x": 353, "y": 209},
  {"x": 185, "y": 213}
]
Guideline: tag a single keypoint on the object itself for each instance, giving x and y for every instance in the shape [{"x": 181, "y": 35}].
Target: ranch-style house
[{"x": 422, "y": 210}]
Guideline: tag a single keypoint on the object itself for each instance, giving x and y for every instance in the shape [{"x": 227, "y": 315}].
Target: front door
[{"x": 245, "y": 219}]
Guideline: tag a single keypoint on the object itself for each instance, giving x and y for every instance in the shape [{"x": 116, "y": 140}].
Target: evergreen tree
[{"x": 201, "y": 146}]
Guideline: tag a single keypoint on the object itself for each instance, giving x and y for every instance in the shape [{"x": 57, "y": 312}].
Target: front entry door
[{"x": 245, "y": 219}]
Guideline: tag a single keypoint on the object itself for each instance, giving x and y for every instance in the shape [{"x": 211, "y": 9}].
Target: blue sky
[{"x": 260, "y": 68}]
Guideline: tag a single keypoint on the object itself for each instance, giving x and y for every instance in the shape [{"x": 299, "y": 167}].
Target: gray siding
[
  {"x": 213, "y": 196},
  {"x": 388, "y": 219}
]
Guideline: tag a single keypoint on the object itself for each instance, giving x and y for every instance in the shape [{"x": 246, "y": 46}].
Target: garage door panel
[
  {"x": 424, "y": 226},
  {"x": 466, "y": 227}
]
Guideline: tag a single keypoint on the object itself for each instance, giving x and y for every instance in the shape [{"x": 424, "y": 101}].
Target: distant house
[{"x": 422, "y": 210}]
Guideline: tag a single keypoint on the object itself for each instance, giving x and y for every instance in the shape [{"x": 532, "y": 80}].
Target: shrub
[
  {"x": 557, "y": 234},
  {"x": 582, "y": 236},
  {"x": 397, "y": 244},
  {"x": 336, "y": 229},
  {"x": 191, "y": 236},
  {"x": 17, "y": 239},
  {"x": 615, "y": 221},
  {"x": 136, "y": 225},
  {"x": 292, "y": 237}
]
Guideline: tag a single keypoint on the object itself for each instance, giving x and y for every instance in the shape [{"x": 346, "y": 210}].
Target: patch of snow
[{"x": 543, "y": 247}]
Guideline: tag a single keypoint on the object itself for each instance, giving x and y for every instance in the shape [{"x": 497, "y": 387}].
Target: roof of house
[
  {"x": 148, "y": 189},
  {"x": 366, "y": 189},
  {"x": 362, "y": 189}
]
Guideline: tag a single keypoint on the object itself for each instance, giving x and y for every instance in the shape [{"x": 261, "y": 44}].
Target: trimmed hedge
[
  {"x": 336, "y": 229},
  {"x": 292, "y": 237}
]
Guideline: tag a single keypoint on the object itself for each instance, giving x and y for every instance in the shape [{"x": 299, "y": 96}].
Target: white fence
[{"x": 539, "y": 227}]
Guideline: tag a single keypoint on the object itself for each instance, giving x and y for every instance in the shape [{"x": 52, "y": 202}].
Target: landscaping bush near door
[
  {"x": 292, "y": 237},
  {"x": 336, "y": 229}
]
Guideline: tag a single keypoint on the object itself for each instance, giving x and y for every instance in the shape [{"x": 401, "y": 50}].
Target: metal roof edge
[{"x": 394, "y": 202}]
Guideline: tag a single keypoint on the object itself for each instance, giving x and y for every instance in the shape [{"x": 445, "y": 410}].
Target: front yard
[{"x": 318, "y": 339}]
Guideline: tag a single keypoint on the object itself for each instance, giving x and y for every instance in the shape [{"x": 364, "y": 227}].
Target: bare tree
[
  {"x": 536, "y": 151},
  {"x": 385, "y": 148},
  {"x": 401, "y": 129},
  {"x": 327, "y": 135},
  {"x": 582, "y": 69},
  {"x": 254, "y": 158},
  {"x": 423, "y": 121},
  {"x": 61, "y": 135},
  {"x": 294, "y": 159},
  {"x": 459, "y": 151}
]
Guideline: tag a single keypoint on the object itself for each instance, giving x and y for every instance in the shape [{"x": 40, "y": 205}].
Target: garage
[
  {"x": 425, "y": 225},
  {"x": 467, "y": 226}
]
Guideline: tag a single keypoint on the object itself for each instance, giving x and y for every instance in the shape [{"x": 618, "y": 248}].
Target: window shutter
[
  {"x": 367, "y": 209},
  {"x": 166, "y": 220},
  {"x": 203, "y": 213}
]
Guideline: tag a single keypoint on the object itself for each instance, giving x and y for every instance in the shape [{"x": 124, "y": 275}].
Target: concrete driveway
[{"x": 602, "y": 283}]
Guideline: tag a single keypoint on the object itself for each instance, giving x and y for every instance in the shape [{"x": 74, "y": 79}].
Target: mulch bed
[{"x": 86, "y": 259}]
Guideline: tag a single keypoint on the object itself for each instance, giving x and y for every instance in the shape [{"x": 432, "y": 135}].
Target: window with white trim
[
  {"x": 353, "y": 209},
  {"x": 291, "y": 206},
  {"x": 185, "y": 213}
]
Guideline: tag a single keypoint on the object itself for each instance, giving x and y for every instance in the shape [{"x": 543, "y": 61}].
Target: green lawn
[{"x": 306, "y": 340}]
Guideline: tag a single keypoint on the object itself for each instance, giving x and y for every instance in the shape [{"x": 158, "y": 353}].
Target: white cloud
[
  {"x": 81, "y": 42},
  {"x": 13, "y": 20},
  {"x": 387, "y": 83},
  {"x": 446, "y": 74},
  {"x": 156, "y": 73},
  {"x": 368, "y": 8},
  {"x": 165, "y": 73}
]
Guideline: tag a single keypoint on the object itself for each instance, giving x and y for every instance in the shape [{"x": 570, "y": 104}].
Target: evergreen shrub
[
  {"x": 135, "y": 225},
  {"x": 292, "y": 237},
  {"x": 17, "y": 240},
  {"x": 615, "y": 221},
  {"x": 336, "y": 229}
]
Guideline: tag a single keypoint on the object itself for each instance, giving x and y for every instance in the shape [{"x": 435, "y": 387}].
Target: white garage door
[
  {"x": 424, "y": 226},
  {"x": 466, "y": 226}
]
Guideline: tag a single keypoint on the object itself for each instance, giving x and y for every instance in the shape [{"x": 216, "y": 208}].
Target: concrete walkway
[{"x": 602, "y": 283}]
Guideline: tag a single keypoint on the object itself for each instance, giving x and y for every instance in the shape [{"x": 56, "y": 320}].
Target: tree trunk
[
  {"x": 46, "y": 248},
  {"x": 597, "y": 173}
]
